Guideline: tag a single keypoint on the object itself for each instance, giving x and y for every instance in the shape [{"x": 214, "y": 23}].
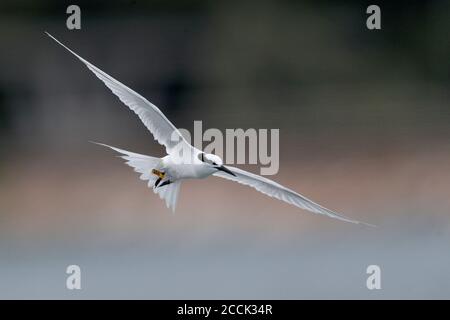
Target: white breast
[{"x": 178, "y": 170}]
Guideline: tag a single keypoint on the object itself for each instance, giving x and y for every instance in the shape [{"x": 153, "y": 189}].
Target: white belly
[{"x": 177, "y": 170}]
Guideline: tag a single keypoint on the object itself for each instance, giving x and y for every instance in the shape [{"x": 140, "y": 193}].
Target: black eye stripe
[{"x": 202, "y": 158}]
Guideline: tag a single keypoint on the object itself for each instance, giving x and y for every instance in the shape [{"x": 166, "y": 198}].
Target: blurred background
[{"x": 363, "y": 118}]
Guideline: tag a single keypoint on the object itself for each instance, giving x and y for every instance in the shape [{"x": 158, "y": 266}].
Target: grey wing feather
[
  {"x": 155, "y": 121},
  {"x": 273, "y": 189}
]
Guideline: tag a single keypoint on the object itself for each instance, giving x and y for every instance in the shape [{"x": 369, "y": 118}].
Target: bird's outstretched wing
[
  {"x": 155, "y": 121},
  {"x": 273, "y": 189}
]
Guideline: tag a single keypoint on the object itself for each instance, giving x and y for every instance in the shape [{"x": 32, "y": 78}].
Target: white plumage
[{"x": 165, "y": 174}]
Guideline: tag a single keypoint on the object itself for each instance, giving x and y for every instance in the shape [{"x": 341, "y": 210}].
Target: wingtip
[
  {"x": 368, "y": 224},
  {"x": 99, "y": 144},
  {"x": 347, "y": 219},
  {"x": 65, "y": 47},
  {"x": 48, "y": 34}
]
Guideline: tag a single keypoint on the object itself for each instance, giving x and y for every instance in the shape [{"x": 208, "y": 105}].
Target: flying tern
[{"x": 165, "y": 174}]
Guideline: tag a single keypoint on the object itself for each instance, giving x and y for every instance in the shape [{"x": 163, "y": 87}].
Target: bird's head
[{"x": 214, "y": 161}]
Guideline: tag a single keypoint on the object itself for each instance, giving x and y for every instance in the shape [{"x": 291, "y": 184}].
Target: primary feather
[
  {"x": 273, "y": 189},
  {"x": 155, "y": 121}
]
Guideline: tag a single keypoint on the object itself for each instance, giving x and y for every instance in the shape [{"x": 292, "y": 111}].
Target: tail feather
[
  {"x": 170, "y": 194},
  {"x": 144, "y": 165}
]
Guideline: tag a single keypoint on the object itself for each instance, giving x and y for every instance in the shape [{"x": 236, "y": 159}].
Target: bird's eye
[
  {"x": 215, "y": 164},
  {"x": 201, "y": 157}
]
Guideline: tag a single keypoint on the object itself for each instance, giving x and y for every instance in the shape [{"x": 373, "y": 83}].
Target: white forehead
[{"x": 214, "y": 158}]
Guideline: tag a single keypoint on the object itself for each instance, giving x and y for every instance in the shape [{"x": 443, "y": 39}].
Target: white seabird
[{"x": 165, "y": 174}]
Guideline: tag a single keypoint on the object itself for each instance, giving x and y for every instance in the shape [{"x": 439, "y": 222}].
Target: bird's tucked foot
[
  {"x": 165, "y": 183},
  {"x": 160, "y": 176}
]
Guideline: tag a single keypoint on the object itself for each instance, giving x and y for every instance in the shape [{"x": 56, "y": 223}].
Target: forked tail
[{"x": 145, "y": 165}]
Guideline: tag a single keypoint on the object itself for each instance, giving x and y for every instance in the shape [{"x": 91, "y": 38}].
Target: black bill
[{"x": 225, "y": 169}]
